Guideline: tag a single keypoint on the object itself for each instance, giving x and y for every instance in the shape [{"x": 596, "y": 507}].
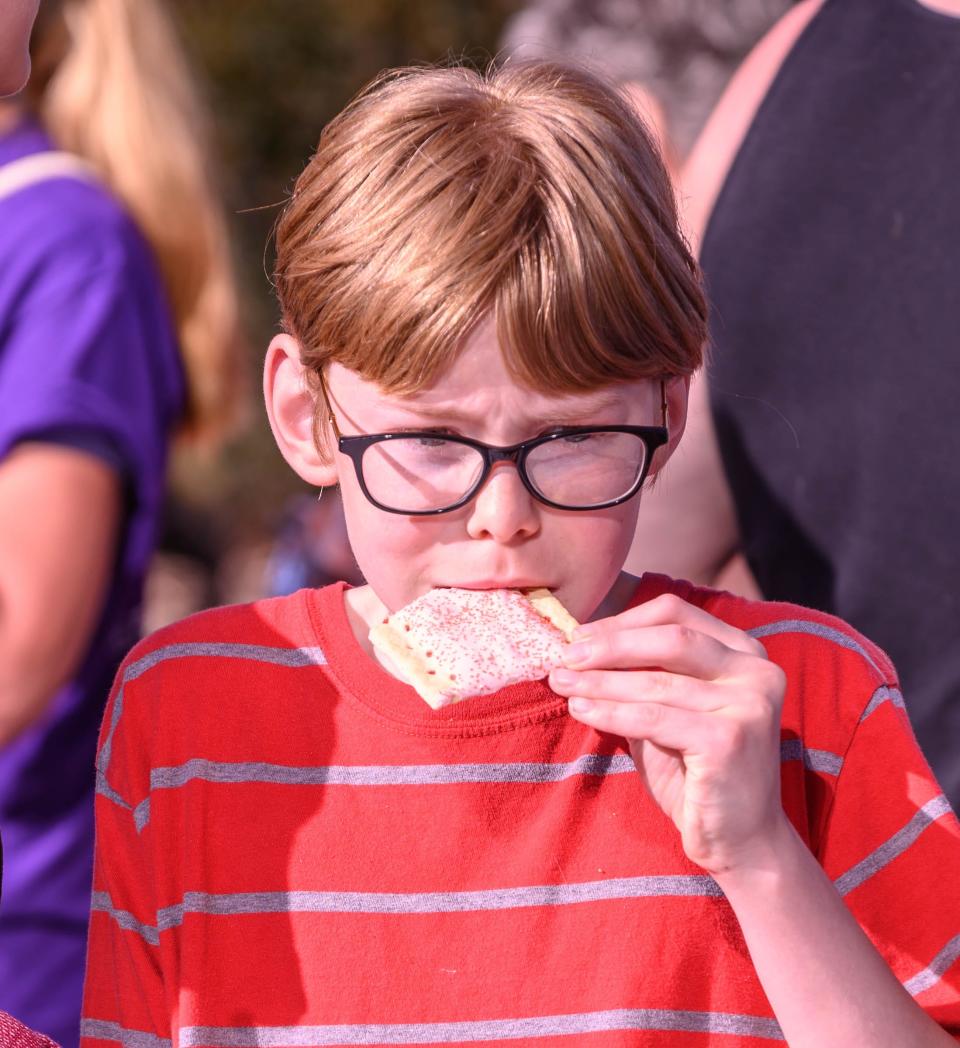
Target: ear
[
  {"x": 677, "y": 389},
  {"x": 290, "y": 408}
]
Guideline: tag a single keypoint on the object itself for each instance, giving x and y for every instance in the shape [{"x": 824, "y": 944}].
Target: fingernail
[
  {"x": 563, "y": 678},
  {"x": 583, "y": 632},
  {"x": 576, "y": 653},
  {"x": 579, "y": 705}
]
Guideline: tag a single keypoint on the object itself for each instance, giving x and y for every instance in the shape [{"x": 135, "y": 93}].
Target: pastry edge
[{"x": 436, "y": 688}]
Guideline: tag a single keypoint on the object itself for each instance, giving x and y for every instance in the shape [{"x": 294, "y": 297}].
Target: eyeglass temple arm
[{"x": 332, "y": 419}]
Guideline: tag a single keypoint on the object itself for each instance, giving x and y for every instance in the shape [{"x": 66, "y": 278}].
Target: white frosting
[{"x": 482, "y": 640}]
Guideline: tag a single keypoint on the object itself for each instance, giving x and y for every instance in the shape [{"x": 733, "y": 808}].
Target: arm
[
  {"x": 687, "y": 525},
  {"x": 814, "y": 960},
  {"x": 699, "y": 704},
  {"x": 59, "y": 520}
]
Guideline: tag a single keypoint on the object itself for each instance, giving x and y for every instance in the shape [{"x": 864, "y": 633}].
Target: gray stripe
[
  {"x": 935, "y": 970},
  {"x": 101, "y": 902},
  {"x": 254, "y": 652},
  {"x": 883, "y": 694},
  {"x": 481, "y": 1030},
  {"x": 141, "y": 815},
  {"x": 817, "y": 629},
  {"x": 386, "y": 775},
  {"x": 815, "y": 760},
  {"x": 225, "y": 772},
  {"x": 105, "y": 1031},
  {"x": 103, "y": 757},
  {"x": 697, "y": 885},
  {"x": 292, "y": 657},
  {"x": 376, "y": 775},
  {"x": 438, "y": 902},
  {"x": 896, "y": 845}
]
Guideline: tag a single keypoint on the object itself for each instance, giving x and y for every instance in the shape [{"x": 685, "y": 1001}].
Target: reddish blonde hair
[
  {"x": 111, "y": 84},
  {"x": 532, "y": 190}
]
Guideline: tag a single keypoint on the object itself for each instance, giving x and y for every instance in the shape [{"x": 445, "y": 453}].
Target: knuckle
[
  {"x": 648, "y": 713},
  {"x": 588, "y": 683},
  {"x": 775, "y": 680},
  {"x": 754, "y": 647},
  {"x": 677, "y": 638},
  {"x": 668, "y": 604},
  {"x": 760, "y": 711},
  {"x": 606, "y": 646},
  {"x": 731, "y": 735}
]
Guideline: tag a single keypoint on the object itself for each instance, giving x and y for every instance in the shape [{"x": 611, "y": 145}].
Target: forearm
[
  {"x": 30, "y": 676},
  {"x": 25, "y": 691},
  {"x": 828, "y": 986}
]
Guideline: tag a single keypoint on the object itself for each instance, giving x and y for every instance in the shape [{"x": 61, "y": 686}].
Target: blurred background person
[
  {"x": 118, "y": 326},
  {"x": 823, "y": 191},
  {"x": 311, "y": 547},
  {"x": 15, "y": 26},
  {"x": 673, "y": 57}
]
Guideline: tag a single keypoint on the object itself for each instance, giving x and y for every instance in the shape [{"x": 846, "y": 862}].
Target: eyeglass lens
[{"x": 419, "y": 474}]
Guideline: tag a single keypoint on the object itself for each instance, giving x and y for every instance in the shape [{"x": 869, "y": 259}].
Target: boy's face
[{"x": 503, "y": 537}]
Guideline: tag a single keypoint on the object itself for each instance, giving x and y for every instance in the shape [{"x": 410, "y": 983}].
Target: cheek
[
  {"x": 392, "y": 551},
  {"x": 594, "y": 547}
]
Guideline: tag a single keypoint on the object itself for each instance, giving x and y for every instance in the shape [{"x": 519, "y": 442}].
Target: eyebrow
[{"x": 571, "y": 414}]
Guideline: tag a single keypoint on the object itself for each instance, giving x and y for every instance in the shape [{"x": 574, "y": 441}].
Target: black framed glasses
[{"x": 579, "y": 468}]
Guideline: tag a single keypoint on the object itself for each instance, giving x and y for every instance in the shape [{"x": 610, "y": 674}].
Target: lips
[{"x": 492, "y": 584}]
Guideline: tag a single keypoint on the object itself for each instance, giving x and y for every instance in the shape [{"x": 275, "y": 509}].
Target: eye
[{"x": 577, "y": 438}]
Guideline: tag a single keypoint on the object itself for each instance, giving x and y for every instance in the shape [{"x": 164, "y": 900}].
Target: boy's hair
[{"x": 532, "y": 191}]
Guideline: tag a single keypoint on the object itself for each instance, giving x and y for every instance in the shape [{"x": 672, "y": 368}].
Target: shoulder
[
  {"x": 273, "y": 631},
  {"x": 834, "y": 673},
  {"x": 220, "y": 677},
  {"x": 718, "y": 144},
  {"x": 63, "y": 207},
  {"x": 69, "y": 228}
]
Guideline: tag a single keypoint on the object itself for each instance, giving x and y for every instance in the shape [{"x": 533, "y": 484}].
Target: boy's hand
[{"x": 699, "y": 704}]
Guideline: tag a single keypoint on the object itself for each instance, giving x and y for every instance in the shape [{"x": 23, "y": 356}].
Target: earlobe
[{"x": 290, "y": 408}]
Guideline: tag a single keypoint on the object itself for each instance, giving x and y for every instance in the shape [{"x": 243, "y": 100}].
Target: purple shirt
[{"x": 88, "y": 357}]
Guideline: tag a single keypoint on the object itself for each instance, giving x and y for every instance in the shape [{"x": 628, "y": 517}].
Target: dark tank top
[{"x": 832, "y": 261}]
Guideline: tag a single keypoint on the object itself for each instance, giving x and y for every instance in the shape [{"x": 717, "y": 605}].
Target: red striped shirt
[{"x": 293, "y": 849}]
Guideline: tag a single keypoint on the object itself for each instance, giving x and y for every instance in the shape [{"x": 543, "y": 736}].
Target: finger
[
  {"x": 686, "y": 731},
  {"x": 646, "y": 686},
  {"x": 674, "y": 647},
  {"x": 669, "y": 608}
]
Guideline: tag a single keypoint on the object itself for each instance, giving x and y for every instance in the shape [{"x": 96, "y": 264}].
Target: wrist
[{"x": 763, "y": 866}]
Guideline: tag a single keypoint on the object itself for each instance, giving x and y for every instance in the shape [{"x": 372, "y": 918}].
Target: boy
[{"x": 683, "y": 838}]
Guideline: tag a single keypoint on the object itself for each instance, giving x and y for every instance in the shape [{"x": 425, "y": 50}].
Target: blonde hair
[
  {"x": 532, "y": 191},
  {"x": 112, "y": 85}
]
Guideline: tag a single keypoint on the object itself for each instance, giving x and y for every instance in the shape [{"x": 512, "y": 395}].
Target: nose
[{"x": 503, "y": 509}]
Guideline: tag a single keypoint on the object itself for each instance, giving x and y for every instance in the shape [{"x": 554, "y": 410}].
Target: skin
[
  {"x": 689, "y": 525},
  {"x": 696, "y": 699},
  {"x": 16, "y": 21},
  {"x": 60, "y": 512},
  {"x": 504, "y": 537}
]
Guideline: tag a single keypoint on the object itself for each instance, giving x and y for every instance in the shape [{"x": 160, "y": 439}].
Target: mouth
[{"x": 492, "y": 584}]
